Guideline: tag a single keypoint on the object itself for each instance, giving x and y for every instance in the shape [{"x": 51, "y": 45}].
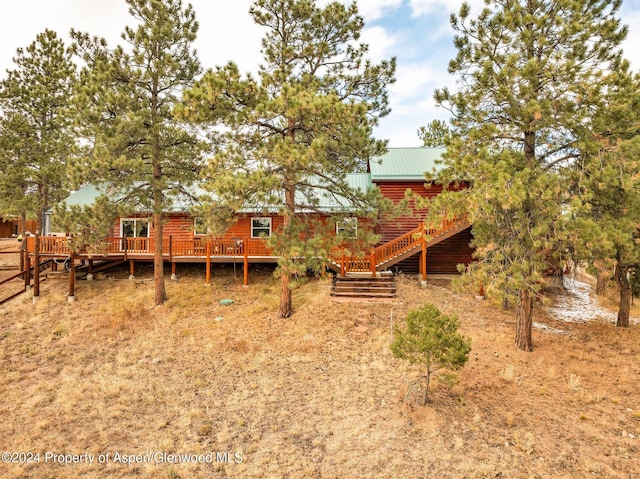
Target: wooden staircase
[
  {"x": 382, "y": 286},
  {"x": 396, "y": 250}
]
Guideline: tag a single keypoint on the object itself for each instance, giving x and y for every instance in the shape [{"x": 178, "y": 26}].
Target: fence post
[
  {"x": 27, "y": 270},
  {"x": 36, "y": 269}
]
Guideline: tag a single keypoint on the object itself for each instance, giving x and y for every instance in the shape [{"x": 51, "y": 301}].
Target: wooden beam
[
  {"x": 72, "y": 279},
  {"x": 36, "y": 270},
  {"x": 208, "y": 268},
  {"x": 372, "y": 262},
  {"x": 27, "y": 271},
  {"x": 132, "y": 269},
  {"x": 423, "y": 257},
  {"x": 245, "y": 248}
]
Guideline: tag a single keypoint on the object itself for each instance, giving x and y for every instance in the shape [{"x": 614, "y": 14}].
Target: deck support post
[
  {"x": 36, "y": 270},
  {"x": 90, "y": 273},
  {"x": 72, "y": 279},
  {"x": 132, "y": 269},
  {"x": 174, "y": 276},
  {"x": 245, "y": 251},
  {"x": 207, "y": 279},
  {"x": 343, "y": 265},
  {"x": 423, "y": 259}
]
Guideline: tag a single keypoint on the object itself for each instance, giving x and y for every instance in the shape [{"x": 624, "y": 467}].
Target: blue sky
[{"x": 416, "y": 32}]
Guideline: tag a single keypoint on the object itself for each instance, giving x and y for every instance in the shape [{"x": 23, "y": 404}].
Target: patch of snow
[
  {"x": 548, "y": 329},
  {"x": 579, "y": 305}
]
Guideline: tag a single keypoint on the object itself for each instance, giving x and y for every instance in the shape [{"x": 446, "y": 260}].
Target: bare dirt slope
[{"x": 315, "y": 396}]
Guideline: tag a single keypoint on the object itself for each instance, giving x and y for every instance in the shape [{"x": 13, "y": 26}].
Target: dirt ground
[{"x": 238, "y": 393}]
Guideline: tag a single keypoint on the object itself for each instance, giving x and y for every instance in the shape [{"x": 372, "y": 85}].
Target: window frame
[
  {"x": 196, "y": 232},
  {"x": 350, "y": 231},
  {"x": 261, "y": 228},
  {"x": 135, "y": 228}
]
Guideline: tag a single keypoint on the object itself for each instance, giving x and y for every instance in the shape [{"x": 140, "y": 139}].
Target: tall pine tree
[
  {"x": 606, "y": 207},
  {"x": 529, "y": 80},
  {"x": 36, "y": 135},
  {"x": 140, "y": 152},
  {"x": 297, "y": 129}
]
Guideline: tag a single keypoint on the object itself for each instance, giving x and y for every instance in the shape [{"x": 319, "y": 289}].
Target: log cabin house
[
  {"x": 404, "y": 243},
  {"x": 11, "y": 227}
]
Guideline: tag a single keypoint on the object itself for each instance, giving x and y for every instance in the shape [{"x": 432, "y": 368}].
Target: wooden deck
[{"x": 246, "y": 250}]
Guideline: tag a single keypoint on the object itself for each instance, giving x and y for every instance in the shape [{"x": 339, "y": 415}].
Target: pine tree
[
  {"x": 529, "y": 81},
  {"x": 140, "y": 151},
  {"x": 36, "y": 134},
  {"x": 299, "y": 128},
  {"x": 431, "y": 340},
  {"x": 606, "y": 209},
  {"x": 435, "y": 134}
]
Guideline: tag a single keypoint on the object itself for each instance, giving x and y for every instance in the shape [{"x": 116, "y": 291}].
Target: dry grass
[{"x": 318, "y": 395}]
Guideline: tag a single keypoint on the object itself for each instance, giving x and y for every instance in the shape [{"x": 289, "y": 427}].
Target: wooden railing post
[
  {"x": 372, "y": 262},
  {"x": 343, "y": 265}
]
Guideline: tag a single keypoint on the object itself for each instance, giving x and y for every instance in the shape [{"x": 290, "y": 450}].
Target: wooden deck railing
[
  {"x": 386, "y": 252},
  {"x": 365, "y": 262},
  {"x": 59, "y": 245}
]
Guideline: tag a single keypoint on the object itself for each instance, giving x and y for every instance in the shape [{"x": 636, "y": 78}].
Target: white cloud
[
  {"x": 375, "y": 9},
  {"x": 371, "y": 10},
  {"x": 381, "y": 43},
  {"x": 630, "y": 45},
  {"x": 425, "y": 7}
]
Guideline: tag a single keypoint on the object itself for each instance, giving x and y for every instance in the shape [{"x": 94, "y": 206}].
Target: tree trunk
[
  {"x": 625, "y": 294},
  {"x": 601, "y": 283},
  {"x": 524, "y": 320},
  {"x": 158, "y": 261},
  {"x": 286, "y": 307}
]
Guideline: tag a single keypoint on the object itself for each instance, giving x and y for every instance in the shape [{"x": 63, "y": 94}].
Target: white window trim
[
  {"x": 341, "y": 227},
  {"x": 195, "y": 227},
  {"x": 268, "y": 218},
  {"x": 122, "y": 220}
]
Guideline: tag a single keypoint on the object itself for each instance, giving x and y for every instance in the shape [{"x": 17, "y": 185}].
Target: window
[
  {"x": 260, "y": 227},
  {"x": 199, "y": 227},
  {"x": 347, "y": 227},
  {"x": 136, "y": 234},
  {"x": 134, "y": 228}
]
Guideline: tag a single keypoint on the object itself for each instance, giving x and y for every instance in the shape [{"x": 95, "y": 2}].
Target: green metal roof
[
  {"x": 85, "y": 196},
  {"x": 405, "y": 164}
]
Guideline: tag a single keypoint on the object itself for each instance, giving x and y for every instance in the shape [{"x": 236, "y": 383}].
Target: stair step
[
  {"x": 359, "y": 287},
  {"x": 364, "y": 284},
  {"x": 363, "y": 294},
  {"x": 382, "y": 279}
]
